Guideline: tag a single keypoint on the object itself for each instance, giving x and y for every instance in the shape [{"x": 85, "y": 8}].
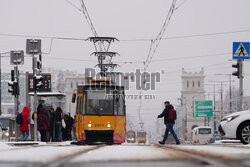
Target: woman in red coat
[{"x": 24, "y": 127}]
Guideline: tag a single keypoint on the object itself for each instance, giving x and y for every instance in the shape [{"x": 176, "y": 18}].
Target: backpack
[
  {"x": 171, "y": 114},
  {"x": 19, "y": 119}
]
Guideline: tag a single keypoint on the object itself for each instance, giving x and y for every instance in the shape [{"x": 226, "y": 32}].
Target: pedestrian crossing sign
[{"x": 241, "y": 50}]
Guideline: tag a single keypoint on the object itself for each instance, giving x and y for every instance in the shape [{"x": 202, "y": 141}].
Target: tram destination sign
[{"x": 203, "y": 108}]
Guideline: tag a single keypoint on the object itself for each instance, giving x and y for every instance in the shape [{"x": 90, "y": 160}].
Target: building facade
[{"x": 192, "y": 90}]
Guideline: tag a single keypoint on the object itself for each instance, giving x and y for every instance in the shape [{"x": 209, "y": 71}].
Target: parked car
[
  {"x": 236, "y": 126},
  {"x": 8, "y": 125},
  {"x": 4, "y": 133}
]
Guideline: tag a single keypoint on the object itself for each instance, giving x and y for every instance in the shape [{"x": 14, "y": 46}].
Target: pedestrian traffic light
[
  {"x": 237, "y": 73},
  {"x": 38, "y": 81}
]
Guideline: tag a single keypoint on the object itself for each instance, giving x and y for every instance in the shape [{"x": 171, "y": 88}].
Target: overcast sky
[{"x": 129, "y": 20}]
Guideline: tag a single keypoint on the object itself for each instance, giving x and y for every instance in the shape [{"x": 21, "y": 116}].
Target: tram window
[
  {"x": 98, "y": 104},
  {"x": 78, "y": 105},
  {"x": 141, "y": 134},
  {"x": 83, "y": 104},
  {"x": 120, "y": 106}
]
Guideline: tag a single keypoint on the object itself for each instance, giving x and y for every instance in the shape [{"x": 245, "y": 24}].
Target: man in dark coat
[
  {"x": 58, "y": 119},
  {"x": 69, "y": 121},
  {"x": 169, "y": 115},
  {"x": 52, "y": 122}
]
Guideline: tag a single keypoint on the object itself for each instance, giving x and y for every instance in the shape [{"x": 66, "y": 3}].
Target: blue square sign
[{"x": 241, "y": 50}]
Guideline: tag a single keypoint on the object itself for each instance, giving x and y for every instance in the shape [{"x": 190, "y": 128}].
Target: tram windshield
[
  {"x": 130, "y": 134},
  {"x": 141, "y": 134},
  {"x": 98, "y": 104}
]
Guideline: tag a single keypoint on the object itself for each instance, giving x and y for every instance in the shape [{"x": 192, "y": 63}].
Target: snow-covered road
[{"x": 64, "y": 154}]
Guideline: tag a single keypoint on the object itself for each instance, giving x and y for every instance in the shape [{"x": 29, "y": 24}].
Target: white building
[{"x": 192, "y": 89}]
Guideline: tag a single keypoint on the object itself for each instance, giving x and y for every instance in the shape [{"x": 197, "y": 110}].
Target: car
[
  {"x": 236, "y": 126},
  {"x": 4, "y": 134}
]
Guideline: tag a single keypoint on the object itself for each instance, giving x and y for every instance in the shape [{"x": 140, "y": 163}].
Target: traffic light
[
  {"x": 237, "y": 73},
  {"x": 11, "y": 83},
  {"x": 14, "y": 88},
  {"x": 39, "y": 63},
  {"x": 38, "y": 81}
]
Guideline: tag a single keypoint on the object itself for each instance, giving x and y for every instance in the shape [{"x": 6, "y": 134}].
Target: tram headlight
[
  {"x": 90, "y": 124},
  {"x": 108, "y": 125}
]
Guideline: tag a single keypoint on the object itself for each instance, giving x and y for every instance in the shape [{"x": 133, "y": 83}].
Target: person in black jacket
[
  {"x": 58, "y": 125},
  {"x": 169, "y": 115},
  {"x": 52, "y": 130}
]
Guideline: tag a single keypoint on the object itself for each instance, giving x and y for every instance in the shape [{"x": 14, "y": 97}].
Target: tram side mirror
[{"x": 73, "y": 97}]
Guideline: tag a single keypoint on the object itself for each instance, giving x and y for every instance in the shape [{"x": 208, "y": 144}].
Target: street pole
[
  {"x": 0, "y": 84},
  {"x": 214, "y": 112},
  {"x": 16, "y": 102},
  {"x": 221, "y": 101},
  {"x": 35, "y": 97},
  {"x": 241, "y": 85}
]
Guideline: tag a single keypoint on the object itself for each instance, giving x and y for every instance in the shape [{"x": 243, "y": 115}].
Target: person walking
[
  {"x": 169, "y": 115},
  {"x": 58, "y": 119},
  {"x": 24, "y": 127},
  {"x": 52, "y": 122},
  {"x": 42, "y": 123}
]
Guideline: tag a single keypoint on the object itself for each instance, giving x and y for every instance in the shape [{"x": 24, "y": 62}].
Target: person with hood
[
  {"x": 42, "y": 123},
  {"x": 169, "y": 115},
  {"x": 24, "y": 127},
  {"x": 69, "y": 121}
]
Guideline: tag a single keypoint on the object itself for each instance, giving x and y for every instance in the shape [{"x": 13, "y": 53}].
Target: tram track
[
  {"x": 208, "y": 158},
  {"x": 64, "y": 160}
]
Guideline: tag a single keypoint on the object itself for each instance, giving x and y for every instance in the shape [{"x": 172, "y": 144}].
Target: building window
[
  {"x": 71, "y": 85},
  {"x": 187, "y": 84},
  {"x": 199, "y": 84},
  {"x": 76, "y": 84},
  {"x": 193, "y": 83}
]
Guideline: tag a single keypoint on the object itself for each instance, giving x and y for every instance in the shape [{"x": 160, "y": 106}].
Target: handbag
[{"x": 63, "y": 123}]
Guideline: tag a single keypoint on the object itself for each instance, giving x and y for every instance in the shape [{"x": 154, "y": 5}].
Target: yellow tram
[
  {"x": 100, "y": 113},
  {"x": 141, "y": 136}
]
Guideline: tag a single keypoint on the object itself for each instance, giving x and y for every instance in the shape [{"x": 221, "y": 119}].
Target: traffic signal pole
[
  {"x": 35, "y": 97},
  {"x": 16, "y": 100},
  {"x": 239, "y": 74},
  {"x": 241, "y": 84}
]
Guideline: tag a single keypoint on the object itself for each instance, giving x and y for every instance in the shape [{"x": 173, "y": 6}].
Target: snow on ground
[
  {"x": 128, "y": 153},
  {"x": 4, "y": 146},
  {"x": 217, "y": 150},
  {"x": 41, "y": 154}
]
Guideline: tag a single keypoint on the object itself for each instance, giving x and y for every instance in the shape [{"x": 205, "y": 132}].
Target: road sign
[
  {"x": 33, "y": 46},
  {"x": 241, "y": 50},
  {"x": 203, "y": 108},
  {"x": 46, "y": 83},
  {"x": 17, "y": 57}
]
